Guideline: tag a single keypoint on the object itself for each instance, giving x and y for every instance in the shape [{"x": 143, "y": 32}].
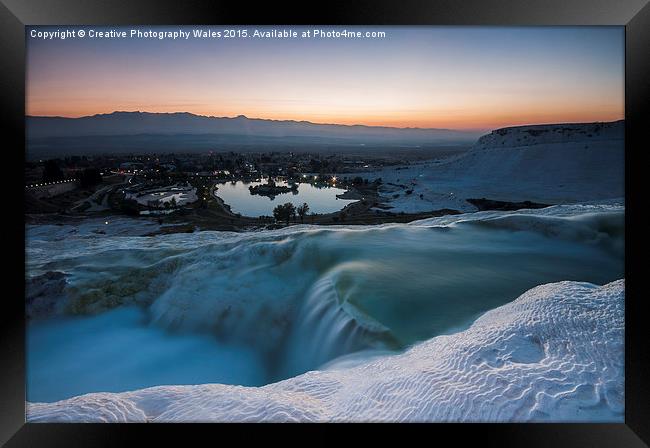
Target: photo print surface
[{"x": 330, "y": 224}]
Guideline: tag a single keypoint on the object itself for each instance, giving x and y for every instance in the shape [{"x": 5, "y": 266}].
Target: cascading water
[
  {"x": 259, "y": 307},
  {"x": 329, "y": 326}
]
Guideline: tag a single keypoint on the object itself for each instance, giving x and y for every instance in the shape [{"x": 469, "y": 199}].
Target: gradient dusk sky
[{"x": 442, "y": 77}]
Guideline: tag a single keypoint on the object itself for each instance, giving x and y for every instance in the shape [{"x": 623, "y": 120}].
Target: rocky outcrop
[
  {"x": 44, "y": 294},
  {"x": 521, "y": 136}
]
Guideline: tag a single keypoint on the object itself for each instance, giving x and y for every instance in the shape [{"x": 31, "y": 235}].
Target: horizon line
[{"x": 469, "y": 130}]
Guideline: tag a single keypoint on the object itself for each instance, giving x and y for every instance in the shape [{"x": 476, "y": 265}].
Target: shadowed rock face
[
  {"x": 488, "y": 204},
  {"x": 44, "y": 294}
]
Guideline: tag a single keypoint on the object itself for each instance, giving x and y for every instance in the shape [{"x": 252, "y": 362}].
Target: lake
[{"x": 240, "y": 200}]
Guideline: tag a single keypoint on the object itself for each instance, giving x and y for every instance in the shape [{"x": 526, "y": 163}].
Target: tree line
[{"x": 288, "y": 211}]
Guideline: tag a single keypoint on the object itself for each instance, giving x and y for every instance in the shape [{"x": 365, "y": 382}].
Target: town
[{"x": 182, "y": 188}]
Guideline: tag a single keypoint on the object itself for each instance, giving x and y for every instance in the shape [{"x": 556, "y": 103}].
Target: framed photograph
[{"x": 376, "y": 212}]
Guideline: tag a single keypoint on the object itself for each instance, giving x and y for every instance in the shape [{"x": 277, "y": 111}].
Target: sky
[{"x": 475, "y": 78}]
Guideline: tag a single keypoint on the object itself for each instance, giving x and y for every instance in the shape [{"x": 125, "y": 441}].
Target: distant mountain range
[{"x": 184, "y": 123}]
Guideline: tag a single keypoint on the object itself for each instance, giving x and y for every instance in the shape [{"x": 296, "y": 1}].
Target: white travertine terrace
[{"x": 554, "y": 354}]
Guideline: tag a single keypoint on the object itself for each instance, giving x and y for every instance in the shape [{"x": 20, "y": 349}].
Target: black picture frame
[{"x": 633, "y": 14}]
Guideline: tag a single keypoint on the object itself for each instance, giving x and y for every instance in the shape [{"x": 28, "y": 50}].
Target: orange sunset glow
[{"x": 416, "y": 77}]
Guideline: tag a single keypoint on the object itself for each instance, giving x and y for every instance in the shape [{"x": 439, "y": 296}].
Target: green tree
[
  {"x": 284, "y": 212},
  {"x": 302, "y": 211}
]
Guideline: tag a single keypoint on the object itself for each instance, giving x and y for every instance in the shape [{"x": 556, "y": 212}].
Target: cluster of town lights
[{"x": 45, "y": 184}]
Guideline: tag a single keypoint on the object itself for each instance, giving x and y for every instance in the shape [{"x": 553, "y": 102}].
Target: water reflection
[{"x": 321, "y": 199}]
